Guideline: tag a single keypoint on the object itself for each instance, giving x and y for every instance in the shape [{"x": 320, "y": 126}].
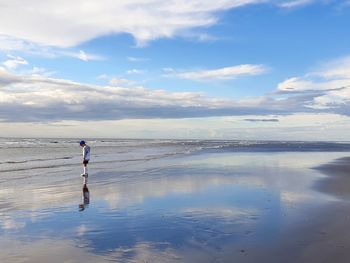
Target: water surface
[{"x": 156, "y": 201}]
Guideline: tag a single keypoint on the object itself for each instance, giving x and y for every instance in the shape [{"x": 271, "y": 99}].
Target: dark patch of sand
[{"x": 337, "y": 181}]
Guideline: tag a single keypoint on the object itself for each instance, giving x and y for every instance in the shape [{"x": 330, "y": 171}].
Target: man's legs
[
  {"x": 85, "y": 168},
  {"x": 85, "y": 174}
]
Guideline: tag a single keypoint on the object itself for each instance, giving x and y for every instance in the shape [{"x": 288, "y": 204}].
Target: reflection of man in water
[{"x": 85, "y": 198}]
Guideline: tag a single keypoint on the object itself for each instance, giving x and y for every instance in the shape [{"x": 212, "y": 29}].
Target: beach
[{"x": 174, "y": 201}]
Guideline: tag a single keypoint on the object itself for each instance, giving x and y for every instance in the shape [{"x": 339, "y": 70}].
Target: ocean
[
  {"x": 158, "y": 200},
  {"x": 52, "y": 154}
]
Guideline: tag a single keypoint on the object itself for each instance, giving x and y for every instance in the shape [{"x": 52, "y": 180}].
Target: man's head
[{"x": 82, "y": 143}]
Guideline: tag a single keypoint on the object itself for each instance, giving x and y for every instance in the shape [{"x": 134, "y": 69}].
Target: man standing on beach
[{"x": 86, "y": 157}]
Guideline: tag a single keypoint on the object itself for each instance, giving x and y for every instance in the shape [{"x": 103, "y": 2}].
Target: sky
[{"x": 177, "y": 69}]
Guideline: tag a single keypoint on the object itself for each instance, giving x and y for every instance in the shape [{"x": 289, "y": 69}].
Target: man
[{"x": 86, "y": 157}]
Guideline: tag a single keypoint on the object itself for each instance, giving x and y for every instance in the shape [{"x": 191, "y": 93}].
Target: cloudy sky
[{"x": 225, "y": 69}]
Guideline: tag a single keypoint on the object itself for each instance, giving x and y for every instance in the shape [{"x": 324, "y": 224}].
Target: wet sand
[
  {"x": 337, "y": 181},
  {"x": 325, "y": 234},
  {"x": 333, "y": 224},
  {"x": 211, "y": 207}
]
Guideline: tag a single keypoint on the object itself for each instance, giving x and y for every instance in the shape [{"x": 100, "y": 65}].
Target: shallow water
[{"x": 153, "y": 201}]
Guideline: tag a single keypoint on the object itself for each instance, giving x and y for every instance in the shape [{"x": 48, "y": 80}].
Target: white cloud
[
  {"x": 333, "y": 99},
  {"x": 8, "y": 43},
  {"x": 116, "y": 81},
  {"x": 290, "y": 127},
  {"x": 135, "y": 71},
  {"x": 225, "y": 73},
  {"x": 67, "y": 24},
  {"x": 13, "y": 62},
  {"x": 336, "y": 69},
  {"x": 299, "y": 84},
  {"x": 11, "y": 44},
  {"x": 40, "y": 98},
  {"x": 298, "y": 126},
  {"x": 330, "y": 85},
  {"x": 82, "y": 55},
  {"x": 37, "y": 71},
  {"x": 295, "y": 3}
]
